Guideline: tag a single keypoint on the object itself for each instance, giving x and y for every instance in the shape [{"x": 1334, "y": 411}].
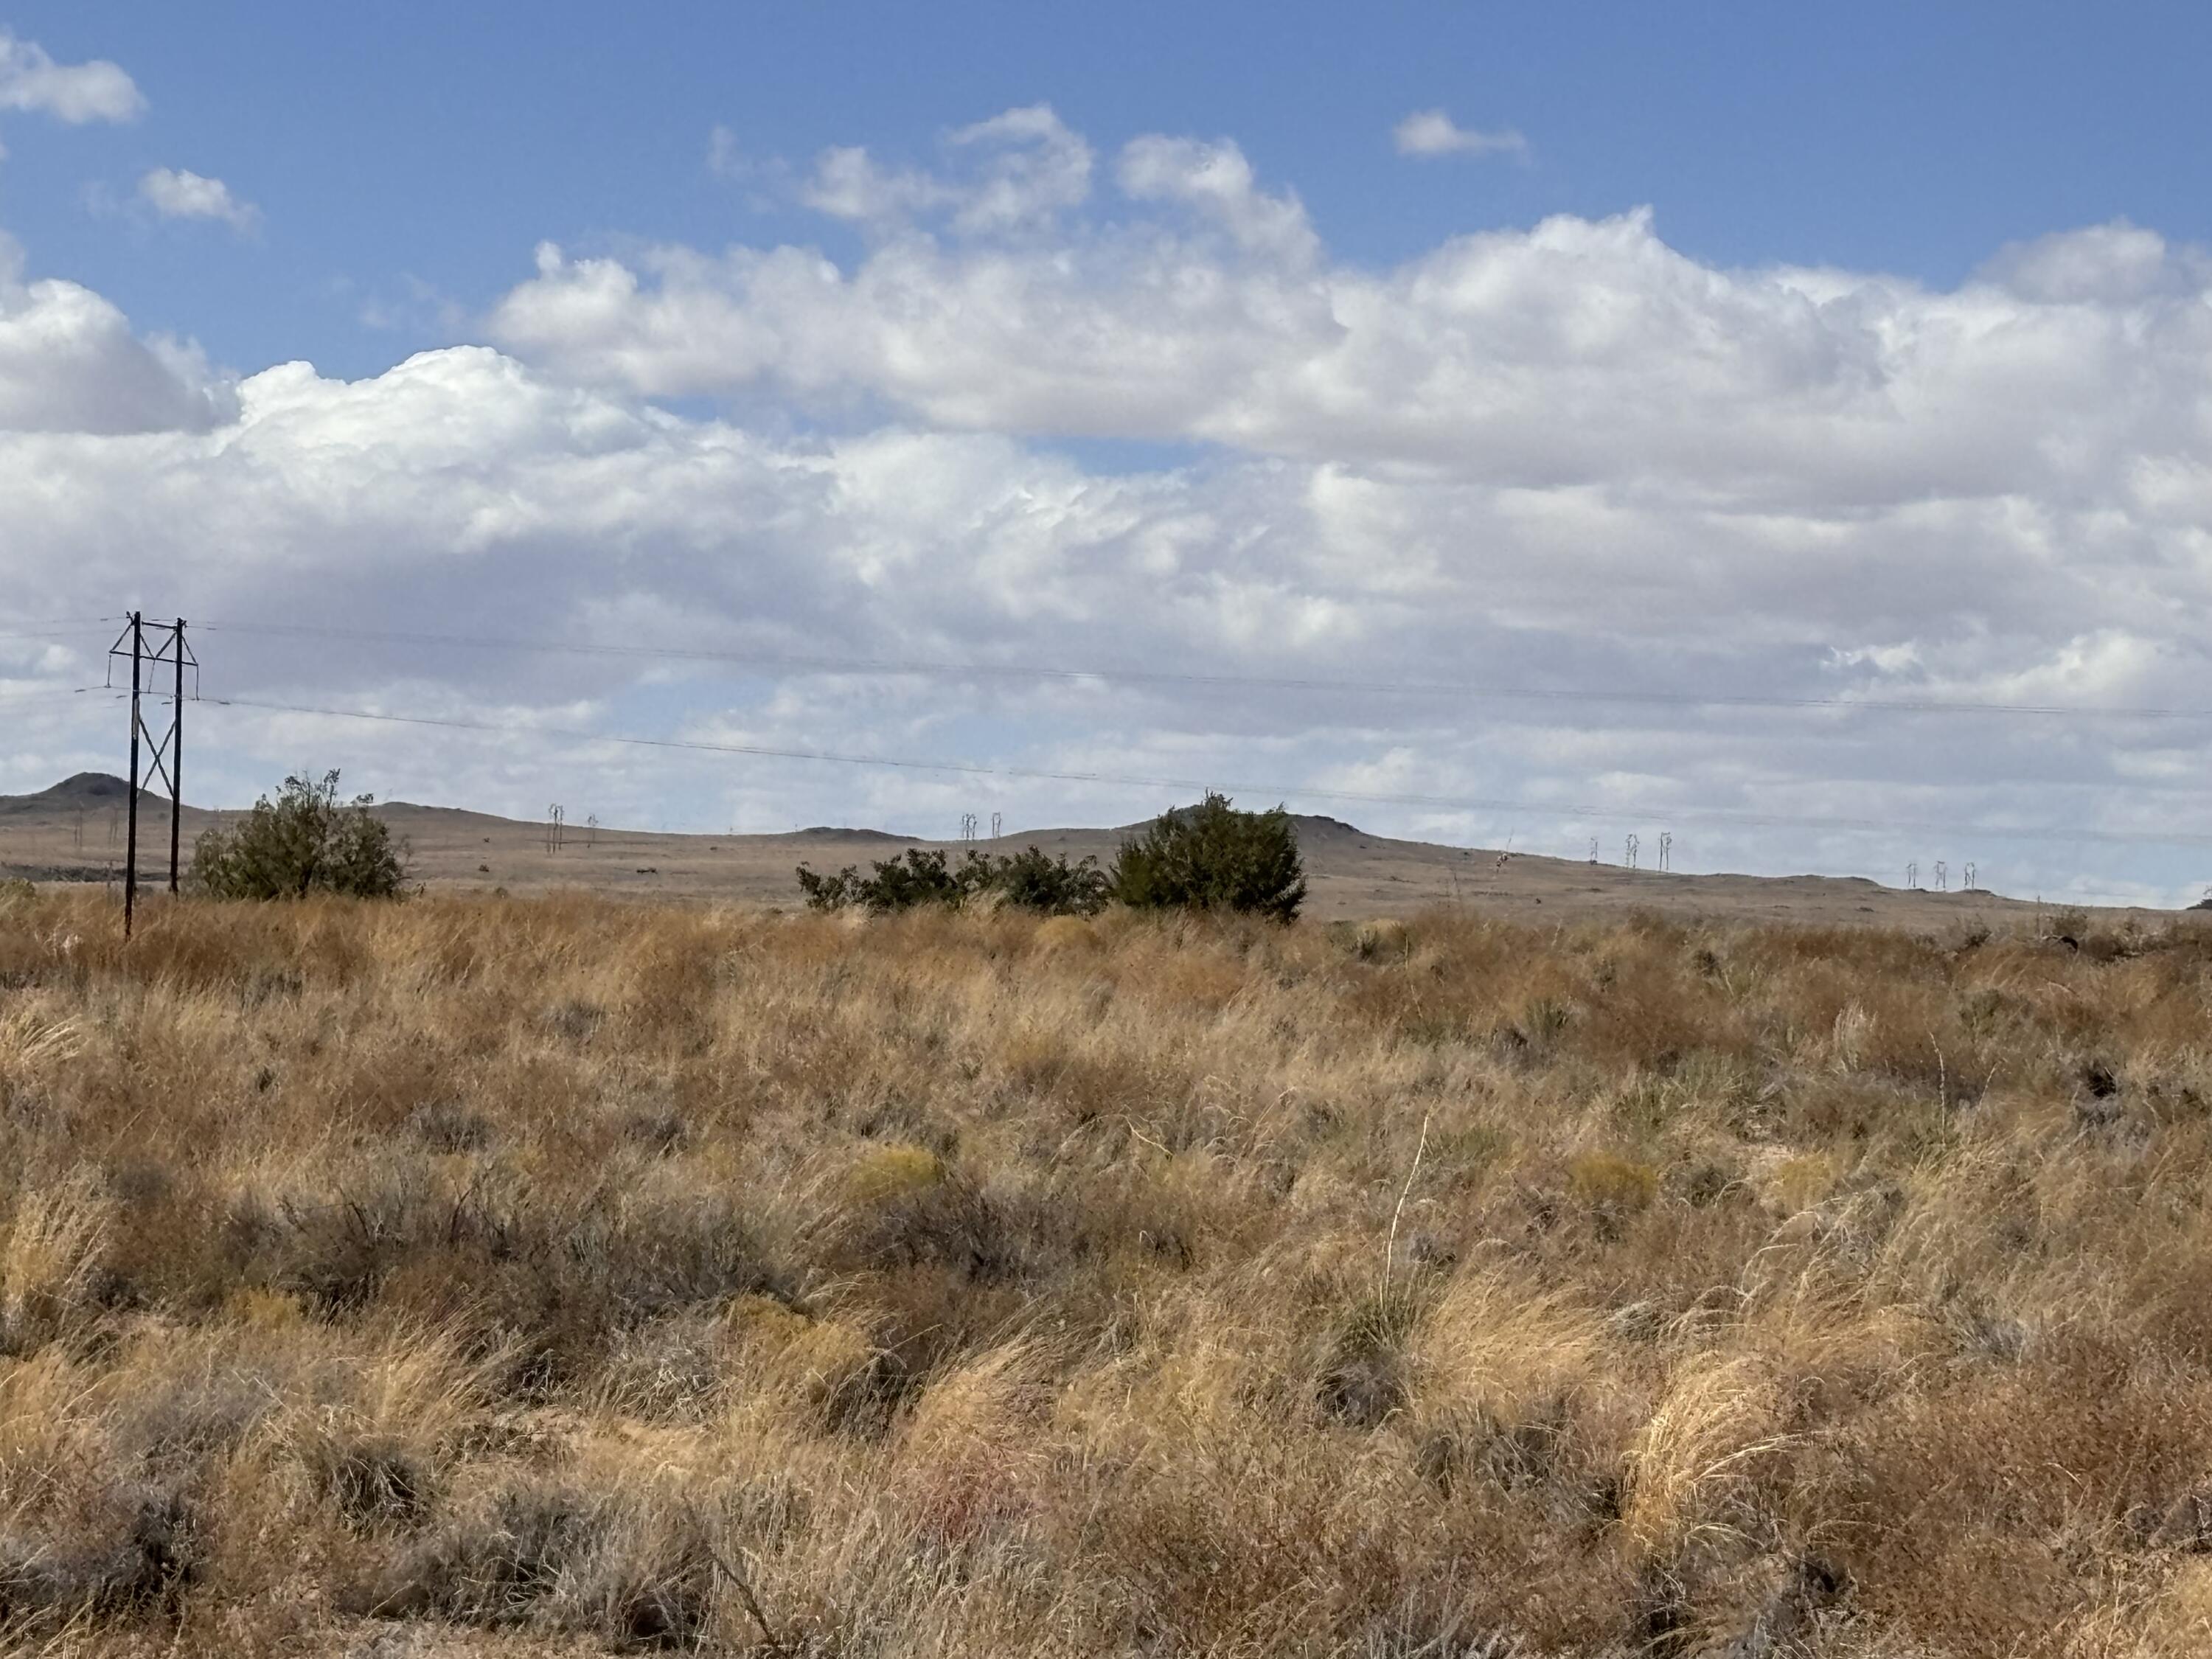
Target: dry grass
[{"x": 475, "y": 1278}]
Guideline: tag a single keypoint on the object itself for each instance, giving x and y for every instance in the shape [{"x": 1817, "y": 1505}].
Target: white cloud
[
  {"x": 1032, "y": 168},
  {"x": 69, "y": 363},
  {"x": 459, "y": 487},
  {"x": 75, "y": 93},
  {"x": 1575, "y": 352},
  {"x": 176, "y": 193},
  {"x": 1016, "y": 169},
  {"x": 1564, "y": 456},
  {"x": 1431, "y": 132},
  {"x": 1217, "y": 180}
]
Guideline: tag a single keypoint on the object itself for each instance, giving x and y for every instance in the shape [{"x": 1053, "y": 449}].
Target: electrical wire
[
  {"x": 817, "y": 664},
  {"x": 1282, "y": 792}
]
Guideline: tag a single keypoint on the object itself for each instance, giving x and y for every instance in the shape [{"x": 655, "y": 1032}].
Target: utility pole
[
  {"x": 137, "y": 724},
  {"x": 176, "y": 753},
  {"x": 166, "y": 752}
]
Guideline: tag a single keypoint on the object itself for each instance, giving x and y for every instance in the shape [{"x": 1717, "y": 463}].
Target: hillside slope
[{"x": 74, "y": 831}]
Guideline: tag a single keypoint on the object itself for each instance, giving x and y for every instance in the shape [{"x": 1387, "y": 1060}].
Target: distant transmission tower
[
  {"x": 1942, "y": 876},
  {"x": 966, "y": 826},
  {"x": 1913, "y": 876},
  {"x": 998, "y": 821},
  {"x": 555, "y": 817},
  {"x": 1632, "y": 851},
  {"x": 1666, "y": 849},
  {"x": 1592, "y": 849},
  {"x": 1966, "y": 884},
  {"x": 591, "y": 831}
]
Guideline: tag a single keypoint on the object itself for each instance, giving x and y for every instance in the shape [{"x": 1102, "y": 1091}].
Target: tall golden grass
[{"x": 468, "y": 1276}]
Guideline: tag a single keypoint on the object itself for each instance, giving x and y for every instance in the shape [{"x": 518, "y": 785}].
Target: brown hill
[{"x": 73, "y": 831}]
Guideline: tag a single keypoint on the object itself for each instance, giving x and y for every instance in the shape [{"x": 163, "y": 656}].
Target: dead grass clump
[
  {"x": 546, "y": 1556},
  {"x": 1362, "y": 1382},
  {"x": 136, "y": 1555},
  {"x": 49, "y": 1259},
  {"x": 1610, "y": 1185},
  {"x": 1694, "y": 1468}
]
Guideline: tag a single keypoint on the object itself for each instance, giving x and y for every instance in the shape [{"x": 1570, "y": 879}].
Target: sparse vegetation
[
  {"x": 1212, "y": 857},
  {"x": 481, "y": 1277},
  {"x": 306, "y": 841}
]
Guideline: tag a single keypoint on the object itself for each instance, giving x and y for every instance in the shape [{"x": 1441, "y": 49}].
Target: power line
[
  {"x": 1260, "y": 682},
  {"x": 1283, "y": 792}
]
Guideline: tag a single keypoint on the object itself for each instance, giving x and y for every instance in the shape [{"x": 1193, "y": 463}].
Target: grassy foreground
[{"x": 550, "y": 1276}]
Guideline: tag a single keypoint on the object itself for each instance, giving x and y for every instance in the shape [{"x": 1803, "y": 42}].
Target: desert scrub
[{"x": 561, "y": 1277}]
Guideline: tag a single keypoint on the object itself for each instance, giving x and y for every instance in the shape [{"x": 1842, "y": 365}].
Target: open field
[
  {"x": 477, "y": 1276},
  {"x": 74, "y": 832}
]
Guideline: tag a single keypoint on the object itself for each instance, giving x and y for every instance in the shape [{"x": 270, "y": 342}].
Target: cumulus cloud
[
  {"x": 1018, "y": 168},
  {"x": 177, "y": 193},
  {"x": 1217, "y": 180},
  {"x": 75, "y": 93},
  {"x": 464, "y": 489},
  {"x": 69, "y": 362},
  {"x": 2112, "y": 264},
  {"x": 1576, "y": 352},
  {"x": 1431, "y": 132},
  {"x": 1562, "y": 460}
]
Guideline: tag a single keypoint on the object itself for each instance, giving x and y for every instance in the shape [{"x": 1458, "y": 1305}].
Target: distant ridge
[
  {"x": 837, "y": 832},
  {"x": 83, "y": 791},
  {"x": 1355, "y": 874}
]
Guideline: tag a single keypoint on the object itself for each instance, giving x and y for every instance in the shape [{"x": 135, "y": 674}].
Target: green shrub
[
  {"x": 1212, "y": 857},
  {"x": 1028, "y": 880},
  {"x": 920, "y": 877},
  {"x": 1052, "y": 887},
  {"x": 304, "y": 842}
]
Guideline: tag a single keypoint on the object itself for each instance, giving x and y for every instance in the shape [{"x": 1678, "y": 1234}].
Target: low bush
[
  {"x": 922, "y": 877},
  {"x": 1028, "y": 880},
  {"x": 1052, "y": 887},
  {"x": 1212, "y": 857},
  {"x": 304, "y": 842}
]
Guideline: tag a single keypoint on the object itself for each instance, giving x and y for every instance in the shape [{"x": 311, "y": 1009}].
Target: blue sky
[
  {"x": 1716, "y": 352},
  {"x": 1913, "y": 138}
]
